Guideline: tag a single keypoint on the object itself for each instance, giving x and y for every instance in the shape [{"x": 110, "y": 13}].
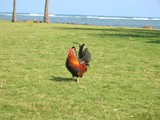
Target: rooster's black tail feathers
[
  {"x": 80, "y": 53},
  {"x": 84, "y": 55}
]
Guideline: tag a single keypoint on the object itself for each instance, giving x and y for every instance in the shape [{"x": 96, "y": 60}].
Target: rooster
[{"x": 77, "y": 64}]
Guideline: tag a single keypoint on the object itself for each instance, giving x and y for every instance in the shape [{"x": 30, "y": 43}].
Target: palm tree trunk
[
  {"x": 46, "y": 15},
  {"x": 14, "y": 11}
]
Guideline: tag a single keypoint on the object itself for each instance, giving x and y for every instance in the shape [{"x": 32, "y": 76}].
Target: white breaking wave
[
  {"x": 51, "y": 15},
  {"x": 6, "y": 14},
  {"x": 32, "y": 14},
  {"x": 107, "y": 18},
  {"x": 155, "y": 18},
  {"x": 121, "y": 18},
  {"x": 140, "y": 18},
  {"x": 26, "y": 14}
]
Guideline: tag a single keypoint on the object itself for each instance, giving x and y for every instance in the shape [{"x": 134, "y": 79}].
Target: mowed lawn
[{"x": 122, "y": 81}]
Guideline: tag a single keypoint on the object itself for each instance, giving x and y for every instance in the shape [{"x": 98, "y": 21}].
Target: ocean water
[{"x": 89, "y": 19}]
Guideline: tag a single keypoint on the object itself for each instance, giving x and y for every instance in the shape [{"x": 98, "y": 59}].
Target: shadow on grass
[
  {"x": 61, "y": 79},
  {"x": 120, "y": 32},
  {"x": 154, "y": 41}
]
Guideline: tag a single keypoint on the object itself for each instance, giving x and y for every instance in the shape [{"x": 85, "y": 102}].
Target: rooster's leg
[{"x": 78, "y": 80}]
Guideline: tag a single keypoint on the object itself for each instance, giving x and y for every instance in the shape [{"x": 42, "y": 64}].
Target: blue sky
[{"x": 137, "y": 8}]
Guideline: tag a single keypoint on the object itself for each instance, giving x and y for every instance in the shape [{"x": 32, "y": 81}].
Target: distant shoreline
[{"x": 33, "y": 21}]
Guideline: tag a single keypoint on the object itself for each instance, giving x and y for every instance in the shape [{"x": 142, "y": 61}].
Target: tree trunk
[
  {"x": 46, "y": 15},
  {"x": 14, "y": 11}
]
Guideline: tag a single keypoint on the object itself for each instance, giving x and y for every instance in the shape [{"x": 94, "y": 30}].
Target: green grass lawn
[{"x": 122, "y": 82}]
